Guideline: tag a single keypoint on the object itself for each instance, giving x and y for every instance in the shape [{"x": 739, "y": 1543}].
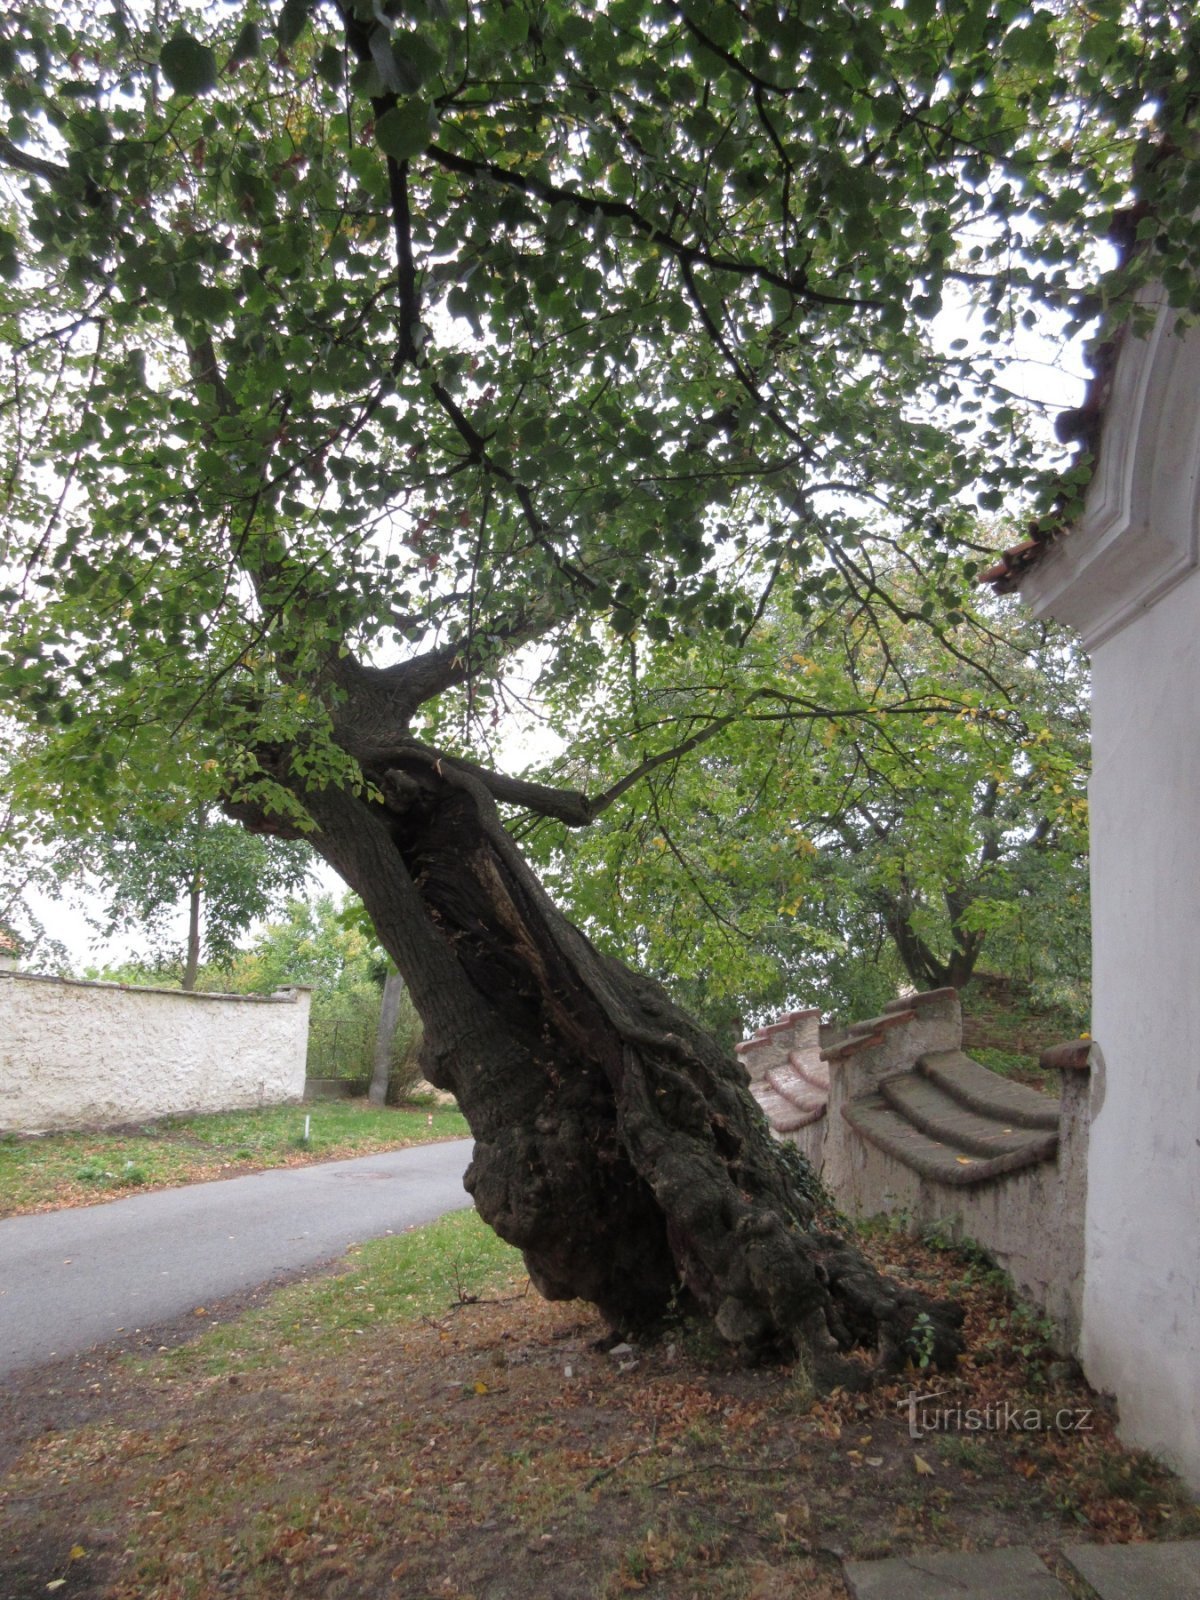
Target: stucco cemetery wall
[{"x": 77, "y": 1054}]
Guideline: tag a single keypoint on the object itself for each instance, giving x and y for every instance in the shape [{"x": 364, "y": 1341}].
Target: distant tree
[
  {"x": 363, "y": 1020},
  {"x": 391, "y": 1003},
  {"x": 882, "y": 807},
  {"x": 36, "y": 858},
  {"x": 26, "y": 878},
  {"x": 321, "y": 942},
  {"x": 395, "y": 1006},
  {"x": 964, "y": 831},
  {"x": 181, "y": 853}
]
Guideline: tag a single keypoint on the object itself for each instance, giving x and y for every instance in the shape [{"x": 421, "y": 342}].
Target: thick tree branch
[
  {"x": 13, "y": 156},
  {"x": 409, "y": 289},
  {"x": 689, "y": 255}
]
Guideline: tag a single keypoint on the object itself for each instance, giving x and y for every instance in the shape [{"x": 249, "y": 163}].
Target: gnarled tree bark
[{"x": 617, "y": 1145}]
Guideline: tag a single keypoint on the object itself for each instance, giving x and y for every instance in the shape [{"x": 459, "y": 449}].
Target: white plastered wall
[
  {"x": 1127, "y": 577},
  {"x": 1141, "y": 1321},
  {"x": 76, "y": 1054}
]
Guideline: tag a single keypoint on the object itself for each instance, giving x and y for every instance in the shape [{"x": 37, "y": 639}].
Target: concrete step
[
  {"x": 874, "y": 1120},
  {"x": 789, "y": 1083},
  {"x": 918, "y": 1002},
  {"x": 758, "y": 1056},
  {"x": 973, "y": 1086},
  {"x": 1166, "y": 1570},
  {"x": 783, "y": 1116},
  {"x": 811, "y": 1067},
  {"x": 927, "y": 1106},
  {"x": 1013, "y": 1573},
  {"x": 895, "y": 1016}
]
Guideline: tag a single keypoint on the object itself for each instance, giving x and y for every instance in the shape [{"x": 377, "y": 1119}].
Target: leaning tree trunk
[{"x": 616, "y": 1144}]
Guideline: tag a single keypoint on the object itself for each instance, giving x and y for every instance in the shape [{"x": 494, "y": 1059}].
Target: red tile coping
[
  {"x": 745, "y": 1045},
  {"x": 851, "y": 1046},
  {"x": 890, "y": 1019},
  {"x": 1015, "y": 562},
  {"x": 1073, "y": 1056},
  {"x": 816, "y": 1072},
  {"x": 766, "y": 1034},
  {"x": 786, "y": 1018},
  {"x": 927, "y": 998}
]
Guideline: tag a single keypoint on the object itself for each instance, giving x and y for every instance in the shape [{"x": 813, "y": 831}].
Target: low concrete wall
[
  {"x": 1029, "y": 1219},
  {"x": 335, "y": 1088},
  {"x": 78, "y": 1054},
  {"x": 1030, "y": 1222}
]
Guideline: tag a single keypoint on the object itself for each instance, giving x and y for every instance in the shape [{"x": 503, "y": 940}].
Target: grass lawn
[
  {"x": 48, "y": 1171},
  {"x": 424, "y": 1426}
]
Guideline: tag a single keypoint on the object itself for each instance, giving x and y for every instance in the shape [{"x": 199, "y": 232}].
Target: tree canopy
[
  {"x": 419, "y": 333},
  {"x": 358, "y": 348}
]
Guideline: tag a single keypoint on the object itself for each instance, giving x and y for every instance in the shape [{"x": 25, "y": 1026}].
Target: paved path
[
  {"x": 73, "y": 1279},
  {"x": 1166, "y": 1571}
]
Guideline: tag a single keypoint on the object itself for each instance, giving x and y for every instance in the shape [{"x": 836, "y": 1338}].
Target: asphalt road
[{"x": 70, "y": 1280}]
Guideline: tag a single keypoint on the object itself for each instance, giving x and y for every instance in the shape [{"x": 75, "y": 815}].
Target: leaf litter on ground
[{"x": 411, "y": 1428}]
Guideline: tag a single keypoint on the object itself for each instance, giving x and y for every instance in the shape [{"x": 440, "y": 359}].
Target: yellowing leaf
[
  {"x": 481, "y": 1388},
  {"x": 77, "y": 1553},
  {"x": 924, "y": 1470}
]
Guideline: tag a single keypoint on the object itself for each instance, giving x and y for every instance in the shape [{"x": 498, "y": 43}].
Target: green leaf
[
  {"x": 293, "y": 19},
  {"x": 561, "y": 213},
  {"x": 404, "y": 131},
  {"x": 246, "y": 46},
  {"x": 1099, "y": 43},
  {"x": 331, "y": 66},
  {"x": 1032, "y": 46},
  {"x": 210, "y": 302},
  {"x": 511, "y": 24},
  {"x": 415, "y": 59},
  {"x": 10, "y": 264},
  {"x": 188, "y": 66}
]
